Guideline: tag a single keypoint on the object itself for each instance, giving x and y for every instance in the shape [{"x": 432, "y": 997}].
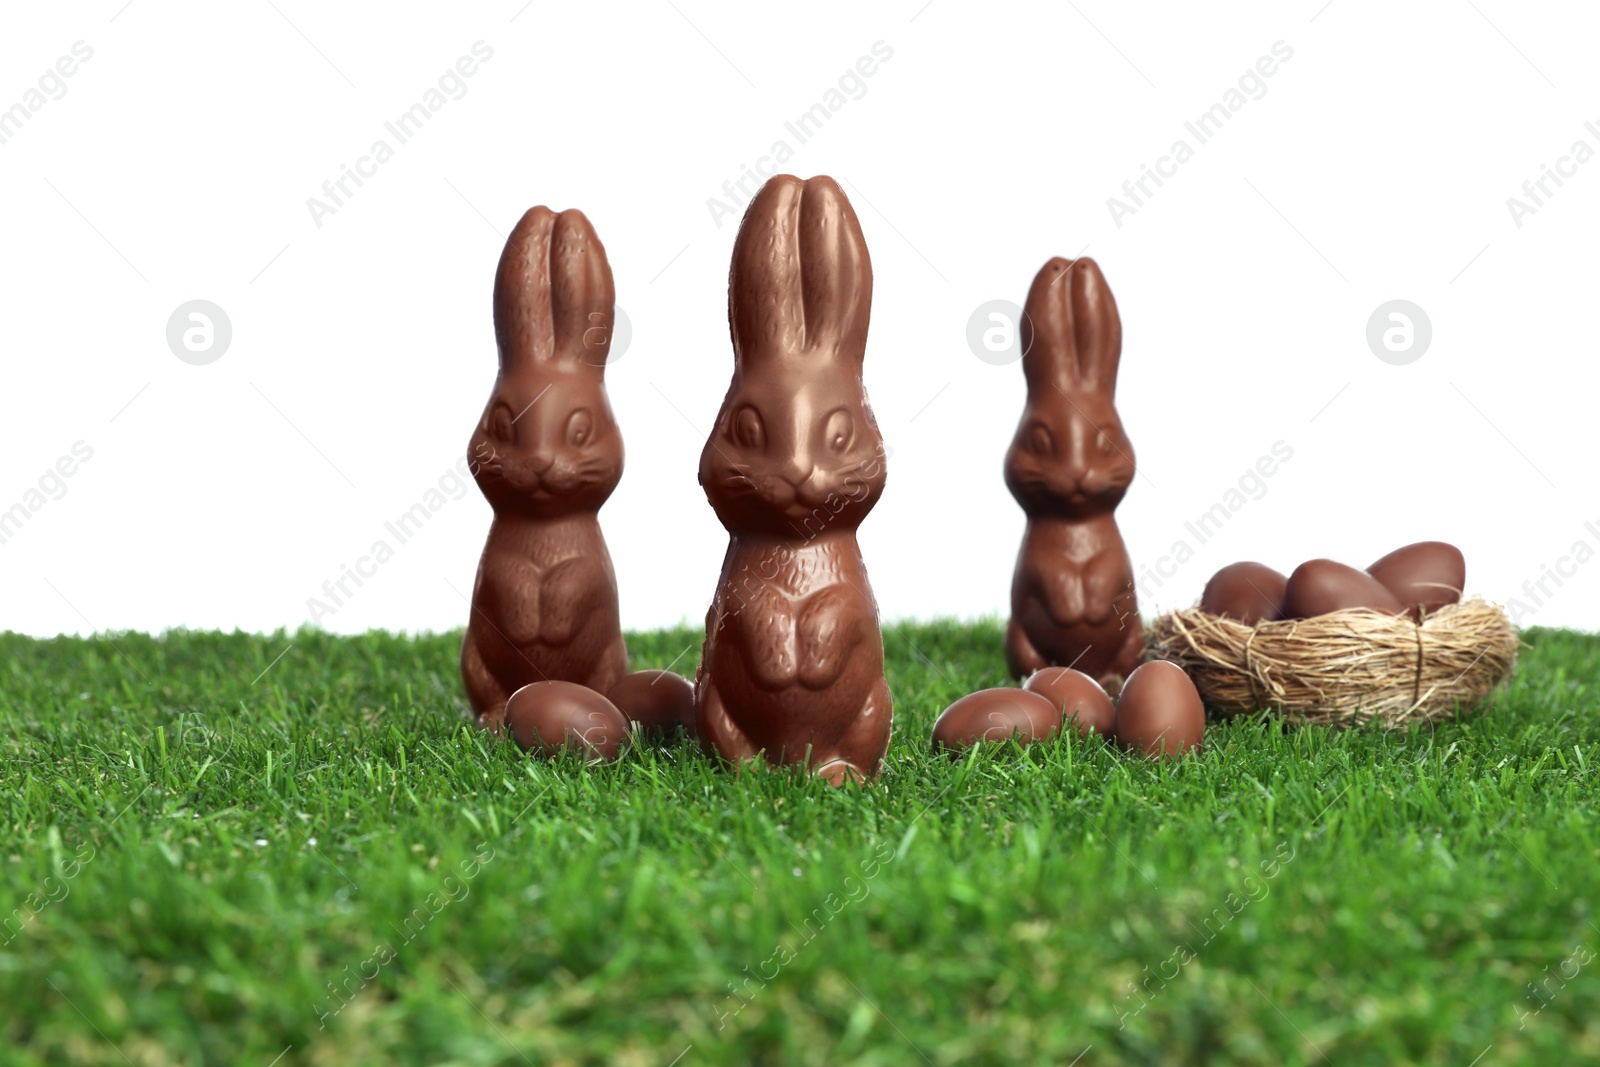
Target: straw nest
[{"x": 1344, "y": 668}]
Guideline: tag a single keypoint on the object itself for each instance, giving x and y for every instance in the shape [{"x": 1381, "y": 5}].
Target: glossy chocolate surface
[
  {"x": 792, "y": 666},
  {"x": 546, "y": 717},
  {"x": 1159, "y": 712},
  {"x": 1424, "y": 577},
  {"x": 1069, "y": 465},
  {"x": 1246, "y": 592},
  {"x": 658, "y": 702},
  {"x": 546, "y": 454},
  {"x": 1000, "y": 714},
  {"x": 1320, "y": 586},
  {"x": 1083, "y": 704}
]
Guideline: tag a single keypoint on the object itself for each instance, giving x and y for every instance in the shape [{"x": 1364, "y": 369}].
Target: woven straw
[{"x": 1344, "y": 668}]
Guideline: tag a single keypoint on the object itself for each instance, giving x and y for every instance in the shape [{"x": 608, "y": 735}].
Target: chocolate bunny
[
  {"x": 793, "y": 660},
  {"x": 546, "y": 455},
  {"x": 1072, "y": 595}
]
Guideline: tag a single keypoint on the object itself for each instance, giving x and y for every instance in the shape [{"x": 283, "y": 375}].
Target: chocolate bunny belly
[
  {"x": 1073, "y": 597},
  {"x": 547, "y": 604},
  {"x": 788, "y": 649}
]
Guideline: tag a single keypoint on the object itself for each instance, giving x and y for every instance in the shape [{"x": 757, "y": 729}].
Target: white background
[{"x": 1376, "y": 166}]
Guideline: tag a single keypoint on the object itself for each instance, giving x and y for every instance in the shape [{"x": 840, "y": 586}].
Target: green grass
[{"x": 213, "y": 850}]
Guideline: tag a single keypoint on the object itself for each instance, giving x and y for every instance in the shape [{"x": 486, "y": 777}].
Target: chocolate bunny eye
[
  {"x": 580, "y": 425},
  {"x": 1040, "y": 439},
  {"x": 747, "y": 429},
  {"x": 838, "y": 431}
]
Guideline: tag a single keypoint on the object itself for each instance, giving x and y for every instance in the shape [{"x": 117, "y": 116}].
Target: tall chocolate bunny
[
  {"x": 793, "y": 659},
  {"x": 1072, "y": 595},
  {"x": 546, "y": 455}
]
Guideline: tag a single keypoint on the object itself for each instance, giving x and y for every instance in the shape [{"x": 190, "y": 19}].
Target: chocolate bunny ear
[
  {"x": 553, "y": 294},
  {"x": 801, "y": 278},
  {"x": 1071, "y": 332}
]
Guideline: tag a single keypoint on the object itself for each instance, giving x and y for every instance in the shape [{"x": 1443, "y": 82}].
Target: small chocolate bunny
[
  {"x": 1072, "y": 595},
  {"x": 793, "y": 660},
  {"x": 546, "y": 455}
]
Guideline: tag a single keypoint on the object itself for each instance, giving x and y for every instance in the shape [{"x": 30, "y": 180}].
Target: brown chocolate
[
  {"x": 793, "y": 659},
  {"x": 996, "y": 715},
  {"x": 1320, "y": 586},
  {"x": 546, "y": 454},
  {"x": 658, "y": 702},
  {"x": 1072, "y": 594},
  {"x": 1083, "y": 704},
  {"x": 1159, "y": 712},
  {"x": 1247, "y": 592},
  {"x": 546, "y": 717},
  {"x": 1424, "y": 577}
]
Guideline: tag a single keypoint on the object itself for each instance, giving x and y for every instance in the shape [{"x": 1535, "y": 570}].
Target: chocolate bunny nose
[
  {"x": 541, "y": 461},
  {"x": 1060, "y": 481},
  {"x": 1094, "y": 480},
  {"x": 796, "y": 477},
  {"x": 799, "y": 483}
]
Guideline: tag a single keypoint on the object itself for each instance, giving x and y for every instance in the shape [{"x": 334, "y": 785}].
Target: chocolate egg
[
  {"x": 1248, "y": 592},
  {"x": 1424, "y": 577},
  {"x": 1160, "y": 712},
  {"x": 1079, "y": 698},
  {"x": 658, "y": 702},
  {"x": 544, "y": 717},
  {"x": 1319, "y": 586},
  {"x": 996, "y": 715}
]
